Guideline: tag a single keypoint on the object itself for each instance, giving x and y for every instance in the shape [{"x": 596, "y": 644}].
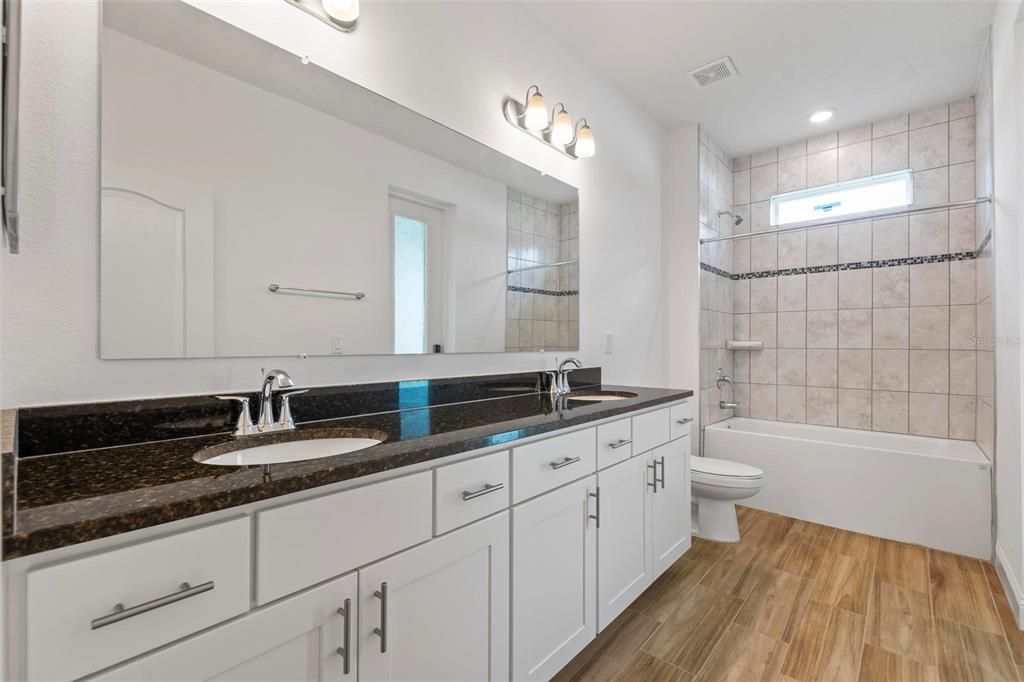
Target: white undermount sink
[{"x": 289, "y": 451}]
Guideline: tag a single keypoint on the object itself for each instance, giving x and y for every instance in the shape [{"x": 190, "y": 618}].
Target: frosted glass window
[
  {"x": 410, "y": 285},
  {"x": 878, "y": 192}
]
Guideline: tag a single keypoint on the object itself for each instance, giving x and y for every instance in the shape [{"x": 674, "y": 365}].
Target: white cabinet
[
  {"x": 554, "y": 586},
  {"x": 297, "y": 638},
  {"x": 671, "y": 502},
  {"x": 439, "y": 611},
  {"x": 623, "y": 536}
]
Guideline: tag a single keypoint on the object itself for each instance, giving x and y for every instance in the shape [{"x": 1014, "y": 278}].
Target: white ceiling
[{"x": 869, "y": 59}]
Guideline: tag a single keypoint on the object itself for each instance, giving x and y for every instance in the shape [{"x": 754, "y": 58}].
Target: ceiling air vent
[{"x": 716, "y": 71}]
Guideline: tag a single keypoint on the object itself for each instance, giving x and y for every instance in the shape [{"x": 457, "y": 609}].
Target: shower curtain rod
[{"x": 861, "y": 218}]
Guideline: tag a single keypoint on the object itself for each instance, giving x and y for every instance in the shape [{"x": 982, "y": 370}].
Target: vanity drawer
[
  {"x": 546, "y": 464},
  {"x": 470, "y": 490},
  {"x": 650, "y": 430},
  {"x": 304, "y": 543},
  {"x": 74, "y": 627},
  {"x": 614, "y": 442},
  {"x": 682, "y": 420}
]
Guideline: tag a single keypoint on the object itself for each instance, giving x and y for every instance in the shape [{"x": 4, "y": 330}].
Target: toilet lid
[{"x": 723, "y": 467}]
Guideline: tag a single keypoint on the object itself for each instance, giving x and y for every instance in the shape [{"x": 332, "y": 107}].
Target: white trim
[{"x": 1011, "y": 586}]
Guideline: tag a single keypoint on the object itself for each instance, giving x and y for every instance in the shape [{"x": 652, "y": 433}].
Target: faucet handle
[
  {"x": 244, "y": 426},
  {"x": 286, "y": 408}
]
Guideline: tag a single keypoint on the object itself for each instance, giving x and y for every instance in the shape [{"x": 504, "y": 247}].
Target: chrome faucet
[
  {"x": 266, "y": 423},
  {"x": 560, "y": 379},
  {"x": 724, "y": 378}
]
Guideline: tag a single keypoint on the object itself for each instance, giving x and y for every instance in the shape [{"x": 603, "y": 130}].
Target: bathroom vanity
[{"x": 489, "y": 539}]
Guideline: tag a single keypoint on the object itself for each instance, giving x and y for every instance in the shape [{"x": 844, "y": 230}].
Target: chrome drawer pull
[
  {"x": 488, "y": 488},
  {"x": 684, "y": 422},
  {"x": 121, "y": 613},
  {"x": 565, "y": 462},
  {"x": 619, "y": 443},
  {"x": 346, "y": 642},
  {"x": 654, "y": 468},
  {"x": 597, "y": 506},
  {"x": 382, "y": 631},
  {"x": 662, "y": 479}
]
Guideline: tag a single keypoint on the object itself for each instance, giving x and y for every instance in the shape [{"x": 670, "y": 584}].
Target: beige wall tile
[
  {"x": 763, "y": 366},
  {"x": 854, "y": 161},
  {"x": 929, "y": 234},
  {"x": 961, "y": 326},
  {"x": 822, "y": 291},
  {"x": 793, "y": 174},
  {"x": 741, "y": 163},
  {"x": 854, "y": 408},
  {"x": 763, "y": 182},
  {"x": 855, "y": 242},
  {"x": 961, "y": 108},
  {"x": 961, "y": 140},
  {"x": 823, "y": 367},
  {"x": 889, "y": 238},
  {"x": 792, "y": 292},
  {"x": 890, "y": 411},
  {"x": 929, "y": 327},
  {"x": 822, "y": 329},
  {"x": 961, "y": 417},
  {"x": 760, "y": 216},
  {"x": 929, "y": 415},
  {"x": 822, "y": 142},
  {"x": 793, "y": 150},
  {"x": 741, "y": 366},
  {"x": 763, "y": 401},
  {"x": 963, "y": 372},
  {"x": 763, "y": 295},
  {"x": 961, "y": 230},
  {"x": 927, "y": 117},
  {"x": 764, "y": 328},
  {"x": 890, "y": 328},
  {"x": 962, "y": 279},
  {"x": 889, "y": 370},
  {"x": 822, "y": 246},
  {"x": 929, "y": 147},
  {"x": 890, "y": 126},
  {"x": 855, "y": 328},
  {"x": 929, "y": 371},
  {"x": 741, "y": 293},
  {"x": 792, "y": 330},
  {"x": 741, "y": 187},
  {"x": 890, "y": 287},
  {"x": 822, "y": 406},
  {"x": 854, "y": 135},
  {"x": 764, "y": 252},
  {"x": 889, "y": 154},
  {"x": 854, "y": 368},
  {"x": 961, "y": 182},
  {"x": 931, "y": 187},
  {"x": 929, "y": 284},
  {"x": 792, "y": 250},
  {"x": 855, "y": 288},
  {"x": 823, "y": 168},
  {"x": 792, "y": 403},
  {"x": 792, "y": 367}
]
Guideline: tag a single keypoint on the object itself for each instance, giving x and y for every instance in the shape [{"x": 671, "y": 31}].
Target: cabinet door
[
  {"x": 554, "y": 588},
  {"x": 623, "y": 541},
  {"x": 671, "y": 518},
  {"x": 295, "y": 639},
  {"x": 439, "y": 611}
]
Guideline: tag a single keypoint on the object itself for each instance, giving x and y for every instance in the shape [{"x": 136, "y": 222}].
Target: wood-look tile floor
[{"x": 796, "y": 601}]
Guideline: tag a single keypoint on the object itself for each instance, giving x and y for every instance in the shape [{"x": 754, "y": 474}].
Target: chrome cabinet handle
[
  {"x": 488, "y": 488},
  {"x": 565, "y": 462},
  {"x": 346, "y": 642},
  {"x": 684, "y": 422},
  {"x": 382, "y": 631},
  {"x": 653, "y": 484},
  {"x": 597, "y": 506},
  {"x": 121, "y": 613},
  {"x": 662, "y": 479},
  {"x": 619, "y": 443}
]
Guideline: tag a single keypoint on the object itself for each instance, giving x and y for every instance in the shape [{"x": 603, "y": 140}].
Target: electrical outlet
[
  {"x": 608, "y": 343},
  {"x": 337, "y": 345}
]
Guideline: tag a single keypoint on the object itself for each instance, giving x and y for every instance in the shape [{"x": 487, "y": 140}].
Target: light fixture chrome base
[
  {"x": 514, "y": 112},
  {"x": 316, "y": 9}
]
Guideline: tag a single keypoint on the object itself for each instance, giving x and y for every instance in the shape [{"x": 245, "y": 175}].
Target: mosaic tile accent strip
[
  {"x": 859, "y": 265},
  {"x": 546, "y": 292}
]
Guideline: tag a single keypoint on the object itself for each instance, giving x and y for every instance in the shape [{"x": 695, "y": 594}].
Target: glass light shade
[
  {"x": 344, "y": 12},
  {"x": 536, "y": 117},
  {"x": 821, "y": 116},
  {"x": 584, "y": 148},
  {"x": 561, "y": 128}
]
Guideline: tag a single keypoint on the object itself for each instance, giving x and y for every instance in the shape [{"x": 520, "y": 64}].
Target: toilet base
[{"x": 716, "y": 520}]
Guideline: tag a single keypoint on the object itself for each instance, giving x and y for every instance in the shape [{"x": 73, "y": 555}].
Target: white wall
[
  {"x": 300, "y": 198},
  {"x": 1008, "y": 117},
  {"x": 453, "y": 62}
]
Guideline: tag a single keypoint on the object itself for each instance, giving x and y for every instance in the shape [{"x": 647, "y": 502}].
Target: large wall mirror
[{"x": 254, "y": 205}]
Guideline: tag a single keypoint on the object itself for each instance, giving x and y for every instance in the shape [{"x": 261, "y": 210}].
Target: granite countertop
[{"x": 72, "y": 497}]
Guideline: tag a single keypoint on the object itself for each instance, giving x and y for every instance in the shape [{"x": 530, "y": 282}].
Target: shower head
[{"x": 736, "y": 219}]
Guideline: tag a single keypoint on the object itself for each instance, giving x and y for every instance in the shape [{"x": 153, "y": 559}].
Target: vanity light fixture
[
  {"x": 341, "y": 14},
  {"x": 821, "y": 115},
  {"x": 558, "y": 132}
]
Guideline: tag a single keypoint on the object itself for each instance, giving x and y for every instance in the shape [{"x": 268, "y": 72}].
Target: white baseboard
[{"x": 1011, "y": 587}]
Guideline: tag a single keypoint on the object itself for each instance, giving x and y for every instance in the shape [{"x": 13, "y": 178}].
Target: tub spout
[{"x": 722, "y": 405}]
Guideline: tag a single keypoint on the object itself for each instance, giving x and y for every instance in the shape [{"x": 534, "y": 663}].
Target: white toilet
[{"x": 716, "y": 485}]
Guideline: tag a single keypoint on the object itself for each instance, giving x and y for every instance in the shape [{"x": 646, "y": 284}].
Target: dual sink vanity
[{"x": 492, "y": 532}]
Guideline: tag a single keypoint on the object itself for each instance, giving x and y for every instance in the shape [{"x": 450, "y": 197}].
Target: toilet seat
[{"x": 724, "y": 473}]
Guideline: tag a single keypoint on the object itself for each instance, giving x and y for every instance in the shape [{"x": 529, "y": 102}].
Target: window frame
[{"x": 835, "y": 188}]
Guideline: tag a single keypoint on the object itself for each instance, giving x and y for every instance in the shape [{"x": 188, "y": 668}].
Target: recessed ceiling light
[{"x": 821, "y": 115}]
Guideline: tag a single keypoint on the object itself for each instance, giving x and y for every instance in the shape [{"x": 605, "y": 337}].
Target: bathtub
[{"x": 928, "y": 491}]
